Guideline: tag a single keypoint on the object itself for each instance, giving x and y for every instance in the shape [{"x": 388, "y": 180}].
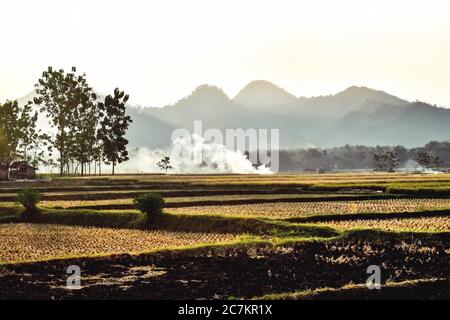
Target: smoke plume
[{"x": 192, "y": 155}]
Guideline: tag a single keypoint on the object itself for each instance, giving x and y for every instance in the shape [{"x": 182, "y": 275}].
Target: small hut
[{"x": 22, "y": 170}]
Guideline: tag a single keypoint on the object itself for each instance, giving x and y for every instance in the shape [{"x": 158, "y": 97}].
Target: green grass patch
[{"x": 409, "y": 289}]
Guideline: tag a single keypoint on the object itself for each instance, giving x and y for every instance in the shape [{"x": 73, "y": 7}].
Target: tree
[
  {"x": 428, "y": 161},
  {"x": 64, "y": 97},
  {"x": 424, "y": 159},
  {"x": 11, "y": 130},
  {"x": 4, "y": 149},
  {"x": 34, "y": 143},
  {"x": 113, "y": 127},
  {"x": 386, "y": 160},
  {"x": 38, "y": 150},
  {"x": 84, "y": 127},
  {"x": 164, "y": 164},
  {"x": 18, "y": 131},
  {"x": 436, "y": 162}
]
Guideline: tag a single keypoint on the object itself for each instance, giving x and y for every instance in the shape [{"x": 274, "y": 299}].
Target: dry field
[
  {"x": 257, "y": 180},
  {"x": 282, "y": 178},
  {"x": 129, "y": 201},
  {"x": 430, "y": 224},
  {"x": 20, "y": 242},
  {"x": 236, "y": 200},
  {"x": 303, "y": 209}
]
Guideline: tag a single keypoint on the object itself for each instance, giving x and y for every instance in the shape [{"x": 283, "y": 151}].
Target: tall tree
[
  {"x": 4, "y": 149},
  {"x": 32, "y": 138},
  {"x": 18, "y": 131},
  {"x": 64, "y": 97},
  {"x": 85, "y": 125},
  {"x": 113, "y": 127}
]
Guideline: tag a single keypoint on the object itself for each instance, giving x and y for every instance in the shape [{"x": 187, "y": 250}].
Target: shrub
[
  {"x": 151, "y": 204},
  {"x": 29, "y": 198}
]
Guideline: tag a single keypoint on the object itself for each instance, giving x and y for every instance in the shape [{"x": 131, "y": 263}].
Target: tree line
[
  {"x": 434, "y": 155},
  {"x": 86, "y": 130}
]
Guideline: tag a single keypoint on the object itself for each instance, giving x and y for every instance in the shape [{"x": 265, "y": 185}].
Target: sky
[{"x": 159, "y": 51}]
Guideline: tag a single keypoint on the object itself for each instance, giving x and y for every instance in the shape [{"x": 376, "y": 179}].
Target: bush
[
  {"x": 151, "y": 204},
  {"x": 29, "y": 198}
]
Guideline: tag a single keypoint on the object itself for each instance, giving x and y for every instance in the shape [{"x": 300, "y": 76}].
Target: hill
[{"x": 357, "y": 115}]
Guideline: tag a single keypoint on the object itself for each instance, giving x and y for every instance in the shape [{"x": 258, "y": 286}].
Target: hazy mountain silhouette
[
  {"x": 264, "y": 94},
  {"x": 357, "y": 115}
]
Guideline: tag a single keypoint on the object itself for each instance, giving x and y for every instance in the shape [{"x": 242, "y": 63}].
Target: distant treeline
[{"x": 358, "y": 157}]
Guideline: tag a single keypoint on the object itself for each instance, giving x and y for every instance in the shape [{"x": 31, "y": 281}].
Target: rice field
[
  {"x": 282, "y": 178},
  {"x": 23, "y": 242},
  {"x": 177, "y": 180},
  {"x": 129, "y": 201},
  {"x": 429, "y": 224},
  {"x": 88, "y": 216},
  {"x": 305, "y": 209}
]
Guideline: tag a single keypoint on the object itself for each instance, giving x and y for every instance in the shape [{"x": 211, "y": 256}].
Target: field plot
[
  {"x": 22, "y": 242},
  {"x": 304, "y": 209},
  {"x": 430, "y": 224},
  {"x": 282, "y": 178},
  {"x": 127, "y": 203}
]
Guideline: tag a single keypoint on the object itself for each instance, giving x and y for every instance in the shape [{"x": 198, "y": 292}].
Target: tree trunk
[
  {"x": 61, "y": 152},
  {"x": 61, "y": 164}
]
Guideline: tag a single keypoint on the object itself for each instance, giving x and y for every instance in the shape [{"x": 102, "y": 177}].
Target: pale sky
[{"x": 159, "y": 51}]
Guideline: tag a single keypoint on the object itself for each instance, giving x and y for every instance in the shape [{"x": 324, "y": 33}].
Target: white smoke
[
  {"x": 414, "y": 166},
  {"x": 192, "y": 155},
  {"x": 142, "y": 160}
]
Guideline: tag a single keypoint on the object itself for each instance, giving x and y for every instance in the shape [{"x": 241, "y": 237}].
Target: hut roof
[{"x": 18, "y": 164}]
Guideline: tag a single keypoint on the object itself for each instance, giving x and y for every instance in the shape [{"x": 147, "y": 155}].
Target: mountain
[
  {"x": 264, "y": 94},
  {"x": 409, "y": 125},
  {"x": 351, "y": 99},
  {"x": 357, "y": 115}
]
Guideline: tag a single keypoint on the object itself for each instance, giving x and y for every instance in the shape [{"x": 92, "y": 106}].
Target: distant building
[
  {"x": 22, "y": 170},
  {"x": 3, "y": 173}
]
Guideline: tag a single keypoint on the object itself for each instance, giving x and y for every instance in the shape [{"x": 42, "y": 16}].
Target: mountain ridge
[{"x": 356, "y": 115}]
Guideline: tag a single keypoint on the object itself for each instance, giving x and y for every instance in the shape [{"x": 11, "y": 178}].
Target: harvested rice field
[
  {"x": 190, "y": 200},
  {"x": 283, "y": 233},
  {"x": 275, "y": 179},
  {"x": 22, "y": 242},
  {"x": 430, "y": 224},
  {"x": 304, "y": 209}
]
